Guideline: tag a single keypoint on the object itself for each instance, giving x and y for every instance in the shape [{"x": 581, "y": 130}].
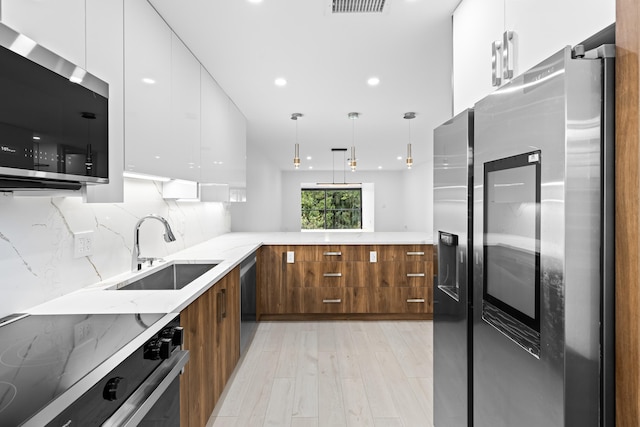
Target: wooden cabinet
[
  {"x": 212, "y": 336},
  {"x": 345, "y": 280}
]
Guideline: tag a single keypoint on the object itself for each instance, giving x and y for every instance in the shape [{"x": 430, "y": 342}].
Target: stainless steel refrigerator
[
  {"x": 453, "y": 175},
  {"x": 542, "y": 246}
]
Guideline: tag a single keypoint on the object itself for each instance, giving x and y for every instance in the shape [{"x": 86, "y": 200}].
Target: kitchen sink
[{"x": 172, "y": 276}]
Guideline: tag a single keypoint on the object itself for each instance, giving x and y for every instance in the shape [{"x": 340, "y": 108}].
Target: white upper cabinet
[
  {"x": 540, "y": 29},
  {"x": 185, "y": 112},
  {"x": 476, "y": 24},
  {"x": 238, "y": 151},
  {"x": 215, "y": 130},
  {"x": 544, "y": 27},
  {"x": 223, "y": 145},
  {"x": 58, "y": 25},
  {"x": 147, "y": 73},
  {"x": 105, "y": 59}
]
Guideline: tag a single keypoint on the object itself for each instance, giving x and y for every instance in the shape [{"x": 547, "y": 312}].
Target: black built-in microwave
[{"x": 53, "y": 119}]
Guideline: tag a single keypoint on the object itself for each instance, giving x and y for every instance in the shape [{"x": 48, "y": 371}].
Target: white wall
[
  {"x": 263, "y": 208},
  {"x": 36, "y": 239},
  {"x": 418, "y": 197}
]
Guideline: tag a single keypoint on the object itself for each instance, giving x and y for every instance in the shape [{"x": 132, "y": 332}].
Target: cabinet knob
[{"x": 115, "y": 388}]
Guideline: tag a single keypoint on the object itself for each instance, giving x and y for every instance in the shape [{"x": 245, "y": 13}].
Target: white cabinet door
[
  {"x": 148, "y": 147},
  {"x": 58, "y": 25},
  {"x": 544, "y": 27},
  {"x": 238, "y": 155},
  {"x": 105, "y": 59},
  {"x": 476, "y": 24},
  {"x": 185, "y": 112},
  {"x": 215, "y": 153}
]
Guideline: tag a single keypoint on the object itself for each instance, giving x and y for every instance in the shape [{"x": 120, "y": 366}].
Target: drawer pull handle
[
  {"x": 332, "y": 253},
  {"x": 332, "y": 274},
  {"x": 419, "y": 253},
  {"x": 415, "y": 274},
  {"x": 415, "y": 300},
  {"x": 332, "y": 301}
]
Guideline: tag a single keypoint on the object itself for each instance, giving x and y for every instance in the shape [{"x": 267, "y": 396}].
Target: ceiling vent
[{"x": 358, "y": 6}]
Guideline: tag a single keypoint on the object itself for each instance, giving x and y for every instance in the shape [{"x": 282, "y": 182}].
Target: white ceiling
[{"x": 326, "y": 59}]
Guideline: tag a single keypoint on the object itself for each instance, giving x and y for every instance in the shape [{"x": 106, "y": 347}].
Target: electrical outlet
[
  {"x": 82, "y": 244},
  {"x": 82, "y": 332},
  {"x": 290, "y": 257},
  {"x": 373, "y": 256}
]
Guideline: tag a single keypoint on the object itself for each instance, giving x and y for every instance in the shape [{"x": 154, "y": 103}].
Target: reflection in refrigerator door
[{"x": 453, "y": 148}]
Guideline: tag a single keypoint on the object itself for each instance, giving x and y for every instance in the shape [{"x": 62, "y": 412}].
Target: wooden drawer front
[
  {"x": 401, "y": 300},
  {"x": 326, "y": 300},
  {"x": 329, "y": 253},
  {"x": 401, "y": 274},
  {"x": 310, "y": 274},
  {"x": 411, "y": 253}
]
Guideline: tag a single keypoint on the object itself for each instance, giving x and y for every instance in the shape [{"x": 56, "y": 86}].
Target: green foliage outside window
[{"x": 331, "y": 209}]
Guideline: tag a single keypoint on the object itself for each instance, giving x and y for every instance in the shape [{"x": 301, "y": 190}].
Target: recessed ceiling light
[
  {"x": 36, "y": 138},
  {"x": 399, "y": 158},
  {"x": 148, "y": 81},
  {"x": 280, "y": 81},
  {"x": 308, "y": 157},
  {"x": 310, "y": 167},
  {"x": 373, "y": 81},
  {"x": 255, "y": 1},
  {"x": 379, "y": 167}
]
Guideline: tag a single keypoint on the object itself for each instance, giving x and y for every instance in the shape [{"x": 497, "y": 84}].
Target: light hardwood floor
[{"x": 332, "y": 373}]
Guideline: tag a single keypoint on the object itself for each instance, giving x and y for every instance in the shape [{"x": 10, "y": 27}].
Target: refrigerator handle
[{"x": 496, "y": 63}]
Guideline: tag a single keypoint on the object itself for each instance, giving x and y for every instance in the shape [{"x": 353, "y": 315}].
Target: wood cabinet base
[{"x": 347, "y": 316}]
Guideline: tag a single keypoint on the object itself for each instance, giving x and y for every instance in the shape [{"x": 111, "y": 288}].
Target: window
[{"x": 332, "y": 209}]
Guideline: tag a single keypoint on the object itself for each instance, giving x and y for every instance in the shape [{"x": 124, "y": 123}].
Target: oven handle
[{"x": 142, "y": 400}]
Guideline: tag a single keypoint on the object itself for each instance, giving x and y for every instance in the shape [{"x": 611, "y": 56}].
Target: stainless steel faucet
[{"x": 136, "y": 261}]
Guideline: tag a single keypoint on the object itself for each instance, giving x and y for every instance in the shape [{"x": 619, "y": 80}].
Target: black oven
[{"x": 91, "y": 370}]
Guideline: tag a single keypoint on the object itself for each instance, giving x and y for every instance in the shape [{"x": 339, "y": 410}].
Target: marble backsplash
[{"x": 36, "y": 239}]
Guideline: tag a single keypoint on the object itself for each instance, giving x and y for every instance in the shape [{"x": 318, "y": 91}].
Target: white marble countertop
[{"x": 227, "y": 250}]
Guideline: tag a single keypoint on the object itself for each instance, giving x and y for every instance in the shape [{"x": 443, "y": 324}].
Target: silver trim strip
[
  {"x": 332, "y": 274},
  {"x": 332, "y": 253},
  {"x": 332, "y": 301},
  {"x": 415, "y": 300},
  {"x": 13, "y": 172},
  {"x": 142, "y": 400},
  {"x": 415, "y": 253},
  {"x": 415, "y": 274}
]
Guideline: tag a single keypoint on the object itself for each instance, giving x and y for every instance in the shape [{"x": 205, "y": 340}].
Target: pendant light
[
  {"x": 296, "y": 156},
  {"x": 352, "y": 159},
  {"x": 409, "y": 116}
]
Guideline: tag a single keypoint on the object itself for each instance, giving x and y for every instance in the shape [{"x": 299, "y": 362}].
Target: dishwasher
[{"x": 248, "y": 324}]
